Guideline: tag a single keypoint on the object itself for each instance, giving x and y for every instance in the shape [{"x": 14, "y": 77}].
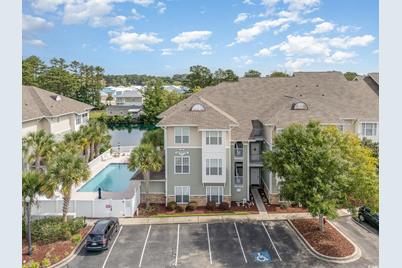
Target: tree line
[{"x": 75, "y": 80}]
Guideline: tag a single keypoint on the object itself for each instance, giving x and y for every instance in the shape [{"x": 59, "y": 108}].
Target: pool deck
[{"x": 95, "y": 168}]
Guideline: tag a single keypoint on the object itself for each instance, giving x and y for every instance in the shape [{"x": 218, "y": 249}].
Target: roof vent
[
  {"x": 197, "y": 107},
  {"x": 299, "y": 106},
  {"x": 57, "y": 98}
]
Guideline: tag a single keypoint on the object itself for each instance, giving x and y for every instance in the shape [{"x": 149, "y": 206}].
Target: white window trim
[
  {"x": 182, "y": 191},
  {"x": 221, "y": 191},
  {"x": 208, "y": 137},
  {"x": 368, "y": 122},
  {"x": 189, "y": 165},
  {"x": 209, "y": 166},
  {"x": 181, "y": 134}
]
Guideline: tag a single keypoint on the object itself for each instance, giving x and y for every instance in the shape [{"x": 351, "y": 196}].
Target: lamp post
[{"x": 28, "y": 214}]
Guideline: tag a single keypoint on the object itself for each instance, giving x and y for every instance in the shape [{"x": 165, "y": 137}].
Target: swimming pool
[{"x": 113, "y": 178}]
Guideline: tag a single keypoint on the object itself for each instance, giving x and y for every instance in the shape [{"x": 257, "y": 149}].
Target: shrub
[
  {"x": 52, "y": 229},
  {"x": 179, "y": 209},
  {"x": 45, "y": 262},
  {"x": 171, "y": 205},
  {"x": 34, "y": 264},
  {"x": 191, "y": 206},
  {"x": 224, "y": 206},
  {"x": 284, "y": 205},
  {"x": 76, "y": 239},
  {"x": 151, "y": 210},
  {"x": 211, "y": 205}
]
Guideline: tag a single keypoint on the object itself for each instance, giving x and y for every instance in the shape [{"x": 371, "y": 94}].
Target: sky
[{"x": 168, "y": 36}]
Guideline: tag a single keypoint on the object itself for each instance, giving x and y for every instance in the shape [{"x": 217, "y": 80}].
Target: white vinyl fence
[{"x": 96, "y": 208}]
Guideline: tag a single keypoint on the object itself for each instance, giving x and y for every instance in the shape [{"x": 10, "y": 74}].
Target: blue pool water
[{"x": 113, "y": 178}]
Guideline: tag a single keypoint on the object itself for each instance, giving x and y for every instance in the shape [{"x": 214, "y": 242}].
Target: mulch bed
[
  {"x": 161, "y": 209},
  {"x": 329, "y": 243},
  {"x": 271, "y": 208},
  {"x": 55, "y": 252}
]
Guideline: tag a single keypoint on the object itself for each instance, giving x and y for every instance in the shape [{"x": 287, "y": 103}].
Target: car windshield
[{"x": 95, "y": 237}]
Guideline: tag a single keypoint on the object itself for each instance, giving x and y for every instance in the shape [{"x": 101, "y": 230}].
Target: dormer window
[
  {"x": 197, "y": 107},
  {"x": 57, "y": 97},
  {"x": 299, "y": 106}
]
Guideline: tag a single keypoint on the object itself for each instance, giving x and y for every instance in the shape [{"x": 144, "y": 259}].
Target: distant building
[
  {"x": 117, "y": 91},
  {"x": 54, "y": 113},
  {"x": 178, "y": 89},
  {"x": 128, "y": 102}
]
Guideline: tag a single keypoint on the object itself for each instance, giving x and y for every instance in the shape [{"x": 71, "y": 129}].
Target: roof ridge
[
  {"x": 219, "y": 110},
  {"x": 39, "y": 102}
]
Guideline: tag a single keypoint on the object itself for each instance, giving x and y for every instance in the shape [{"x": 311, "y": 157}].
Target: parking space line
[
  {"x": 145, "y": 244},
  {"x": 241, "y": 246},
  {"x": 272, "y": 242},
  {"x": 111, "y": 248},
  {"x": 177, "y": 244},
  {"x": 209, "y": 246}
]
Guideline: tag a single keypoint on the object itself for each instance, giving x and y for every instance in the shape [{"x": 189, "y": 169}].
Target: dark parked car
[
  {"x": 366, "y": 215},
  {"x": 102, "y": 232}
]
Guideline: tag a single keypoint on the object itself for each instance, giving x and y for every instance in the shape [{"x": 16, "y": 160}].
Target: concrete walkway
[{"x": 258, "y": 201}]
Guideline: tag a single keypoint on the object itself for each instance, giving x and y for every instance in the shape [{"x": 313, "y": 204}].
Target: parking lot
[{"x": 229, "y": 244}]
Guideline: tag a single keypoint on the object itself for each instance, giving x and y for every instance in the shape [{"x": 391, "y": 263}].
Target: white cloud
[
  {"x": 347, "y": 42},
  {"x": 136, "y": 14},
  {"x": 265, "y": 52},
  {"x": 340, "y": 57},
  {"x": 144, "y": 3},
  {"x": 46, "y": 5},
  {"x": 35, "y": 42},
  {"x": 206, "y": 53},
  {"x": 131, "y": 41},
  {"x": 317, "y": 20},
  {"x": 107, "y": 21},
  {"x": 192, "y": 40},
  {"x": 242, "y": 60},
  {"x": 89, "y": 11},
  {"x": 301, "y": 5},
  {"x": 248, "y": 2},
  {"x": 32, "y": 24},
  {"x": 323, "y": 28},
  {"x": 375, "y": 51},
  {"x": 297, "y": 64},
  {"x": 304, "y": 45},
  {"x": 282, "y": 29},
  {"x": 167, "y": 51},
  {"x": 241, "y": 17},
  {"x": 342, "y": 29},
  {"x": 161, "y": 7},
  {"x": 248, "y": 34}
]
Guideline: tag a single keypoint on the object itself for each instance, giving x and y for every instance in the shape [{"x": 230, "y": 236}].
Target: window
[
  {"x": 213, "y": 138},
  {"x": 182, "y": 165},
  {"x": 181, "y": 135},
  {"x": 213, "y": 167},
  {"x": 84, "y": 118},
  {"x": 182, "y": 194},
  {"x": 215, "y": 194},
  {"x": 78, "y": 119},
  {"x": 299, "y": 106},
  {"x": 198, "y": 107},
  {"x": 238, "y": 174},
  {"x": 369, "y": 129}
]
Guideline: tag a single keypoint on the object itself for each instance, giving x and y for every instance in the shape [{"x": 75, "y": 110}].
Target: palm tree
[
  {"x": 80, "y": 139},
  {"x": 66, "y": 169},
  {"x": 98, "y": 135},
  {"x": 147, "y": 159},
  {"x": 32, "y": 186},
  {"x": 37, "y": 147}
]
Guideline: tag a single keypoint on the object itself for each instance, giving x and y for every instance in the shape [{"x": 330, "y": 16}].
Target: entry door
[{"x": 255, "y": 176}]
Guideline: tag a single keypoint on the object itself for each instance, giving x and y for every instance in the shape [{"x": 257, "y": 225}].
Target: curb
[
  {"x": 72, "y": 255},
  {"x": 341, "y": 260}
]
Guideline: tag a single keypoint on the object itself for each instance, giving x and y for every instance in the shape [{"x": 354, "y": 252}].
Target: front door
[{"x": 255, "y": 176}]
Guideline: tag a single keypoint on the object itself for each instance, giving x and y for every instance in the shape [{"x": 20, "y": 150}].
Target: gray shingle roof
[
  {"x": 39, "y": 103},
  {"x": 375, "y": 77},
  {"x": 130, "y": 94},
  {"x": 328, "y": 95}
]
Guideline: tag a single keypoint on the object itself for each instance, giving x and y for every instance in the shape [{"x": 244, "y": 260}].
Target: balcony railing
[
  {"x": 255, "y": 157},
  {"x": 238, "y": 152}
]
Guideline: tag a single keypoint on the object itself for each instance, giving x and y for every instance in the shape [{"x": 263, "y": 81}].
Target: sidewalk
[{"x": 258, "y": 201}]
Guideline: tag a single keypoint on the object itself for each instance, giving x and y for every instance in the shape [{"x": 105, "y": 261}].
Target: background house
[{"x": 55, "y": 114}]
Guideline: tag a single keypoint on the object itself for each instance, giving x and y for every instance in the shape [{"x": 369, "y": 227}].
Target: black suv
[
  {"x": 102, "y": 232},
  {"x": 366, "y": 215}
]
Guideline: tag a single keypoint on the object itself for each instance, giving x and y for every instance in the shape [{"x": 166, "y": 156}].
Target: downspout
[{"x": 166, "y": 166}]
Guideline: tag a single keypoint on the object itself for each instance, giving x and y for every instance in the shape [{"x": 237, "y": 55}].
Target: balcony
[{"x": 238, "y": 152}]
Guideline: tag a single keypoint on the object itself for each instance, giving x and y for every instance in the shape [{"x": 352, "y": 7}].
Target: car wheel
[{"x": 361, "y": 218}]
